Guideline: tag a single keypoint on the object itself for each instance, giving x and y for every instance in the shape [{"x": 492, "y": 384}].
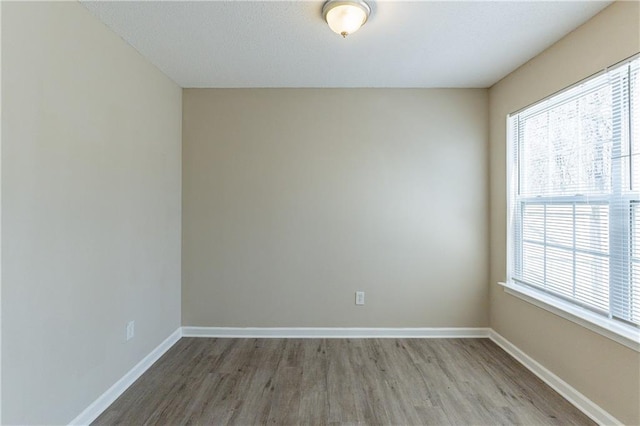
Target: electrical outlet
[
  {"x": 359, "y": 297},
  {"x": 131, "y": 329}
]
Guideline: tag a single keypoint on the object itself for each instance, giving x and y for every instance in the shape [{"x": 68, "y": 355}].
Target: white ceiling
[{"x": 288, "y": 44}]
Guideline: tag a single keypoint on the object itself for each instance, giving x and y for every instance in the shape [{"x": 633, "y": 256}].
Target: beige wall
[
  {"x": 293, "y": 199},
  {"x": 603, "y": 370},
  {"x": 91, "y": 209}
]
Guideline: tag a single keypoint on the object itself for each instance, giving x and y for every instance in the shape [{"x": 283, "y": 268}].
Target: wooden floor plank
[
  {"x": 202, "y": 381},
  {"x": 314, "y": 403}
]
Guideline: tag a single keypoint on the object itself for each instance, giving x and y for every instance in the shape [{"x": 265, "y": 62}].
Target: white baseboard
[
  {"x": 334, "y": 332},
  {"x": 106, "y": 399},
  {"x": 580, "y": 401},
  {"x": 568, "y": 392}
]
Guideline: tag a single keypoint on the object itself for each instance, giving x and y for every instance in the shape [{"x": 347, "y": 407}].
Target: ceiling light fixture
[{"x": 345, "y": 17}]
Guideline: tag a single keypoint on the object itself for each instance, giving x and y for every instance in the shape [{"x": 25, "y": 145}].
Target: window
[{"x": 574, "y": 195}]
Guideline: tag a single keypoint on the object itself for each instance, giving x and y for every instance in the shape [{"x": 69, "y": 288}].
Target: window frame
[{"x": 589, "y": 317}]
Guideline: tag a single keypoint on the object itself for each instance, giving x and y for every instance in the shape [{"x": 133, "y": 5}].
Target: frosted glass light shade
[{"x": 345, "y": 17}]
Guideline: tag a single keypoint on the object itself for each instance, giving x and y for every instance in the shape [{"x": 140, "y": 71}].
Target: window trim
[
  {"x": 626, "y": 335},
  {"x": 577, "y": 83}
]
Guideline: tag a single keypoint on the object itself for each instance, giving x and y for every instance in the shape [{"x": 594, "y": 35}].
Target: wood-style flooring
[{"x": 339, "y": 381}]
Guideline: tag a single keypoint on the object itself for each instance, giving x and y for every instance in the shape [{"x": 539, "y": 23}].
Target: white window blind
[{"x": 574, "y": 198}]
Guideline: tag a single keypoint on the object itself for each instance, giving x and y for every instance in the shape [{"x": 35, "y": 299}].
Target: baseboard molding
[
  {"x": 580, "y": 401},
  {"x": 568, "y": 392},
  {"x": 106, "y": 399},
  {"x": 334, "y": 332}
]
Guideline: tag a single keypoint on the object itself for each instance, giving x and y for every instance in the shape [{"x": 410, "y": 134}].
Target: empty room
[{"x": 320, "y": 212}]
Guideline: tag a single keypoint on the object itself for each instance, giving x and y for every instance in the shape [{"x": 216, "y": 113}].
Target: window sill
[{"x": 628, "y": 336}]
